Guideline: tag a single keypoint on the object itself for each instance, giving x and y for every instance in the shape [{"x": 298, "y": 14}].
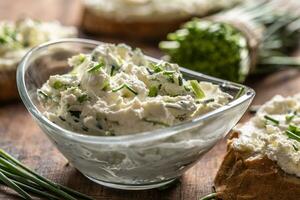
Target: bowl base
[{"x": 130, "y": 187}]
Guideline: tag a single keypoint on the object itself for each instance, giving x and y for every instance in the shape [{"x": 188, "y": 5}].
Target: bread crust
[
  {"x": 146, "y": 30},
  {"x": 244, "y": 176}
]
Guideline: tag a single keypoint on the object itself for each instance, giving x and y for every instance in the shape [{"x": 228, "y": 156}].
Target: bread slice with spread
[
  {"x": 263, "y": 156},
  {"x": 144, "y": 19},
  {"x": 16, "y": 39}
]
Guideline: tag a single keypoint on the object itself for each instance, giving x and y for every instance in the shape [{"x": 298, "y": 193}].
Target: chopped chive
[
  {"x": 209, "y": 196},
  {"x": 292, "y": 135},
  {"x": 289, "y": 118},
  {"x": 75, "y": 114},
  {"x": 294, "y": 129},
  {"x": 155, "y": 122},
  {"x": 240, "y": 93},
  {"x": 125, "y": 86},
  {"x": 57, "y": 85},
  {"x": 197, "y": 89},
  {"x": 105, "y": 85},
  {"x": 275, "y": 121},
  {"x": 113, "y": 67},
  {"x": 82, "y": 98},
  {"x": 180, "y": 81},
  {"x": 95, "y": 67},
  {"x": 296, "y": 148},
  {"x": 153, "y": 91},
  {"x": 156, "y": 67},
  {"x": 81, "y": 58},
  {"x": 43, "y": 94},
  {"x": 168, "y": 72}
]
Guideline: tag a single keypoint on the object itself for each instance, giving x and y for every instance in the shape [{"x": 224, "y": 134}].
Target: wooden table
[{"x": 21, "y": 137}]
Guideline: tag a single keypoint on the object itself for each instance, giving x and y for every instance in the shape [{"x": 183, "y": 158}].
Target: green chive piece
[
  {"x": 125, "y": 86},
  {"x": 82, "y": 58},
  {"x": 96, "y": 67},
  {"x": 14, "y": 186},
  {"x": 57, "y": 85},
  {"x": 240, "y": 93},
  {"x": 269, "y": 118},
  {"x": 289, "y": 118},
  {"x": 43, "y": 94},
  {"x": 156, "y": 67},
  {"x": 105, "y": 85},
  {"x": 209, "y": 196},
  {"x": 153, "y": 91},
  {"x": 296, "y": 148},
  {"x": 155, "y": 122},
  {"x": 197, "y": 89},
  {"x": 180, "y": 81},
  {"x": 292, "y": 135},
  {"x": 82, "y": 98}
]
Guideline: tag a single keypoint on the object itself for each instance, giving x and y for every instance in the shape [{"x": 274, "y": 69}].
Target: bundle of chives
[{"x": 26, "y": 182}]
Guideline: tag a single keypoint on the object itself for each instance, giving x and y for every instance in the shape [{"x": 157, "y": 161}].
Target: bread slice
[
  {"x": 249, "y": 176},
  {"x": 142, "y": 30}
]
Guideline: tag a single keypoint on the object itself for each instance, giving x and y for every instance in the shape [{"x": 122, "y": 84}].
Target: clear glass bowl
[{"x": 138, "y": 161}]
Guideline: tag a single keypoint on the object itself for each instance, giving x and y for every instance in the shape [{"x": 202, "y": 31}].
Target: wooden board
[{"x": 21, "y": 137}]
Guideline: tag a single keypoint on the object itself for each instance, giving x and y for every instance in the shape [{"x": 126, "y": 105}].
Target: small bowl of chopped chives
[{"x": 123, "y": 119}]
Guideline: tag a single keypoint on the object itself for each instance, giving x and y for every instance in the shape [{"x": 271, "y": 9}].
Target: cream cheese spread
[
  {"x": 16, "y": 38},
  {"x": 155, "y": 10},
  {"x": 275, "y": 133},
  {"x": 117, "y": 91}
]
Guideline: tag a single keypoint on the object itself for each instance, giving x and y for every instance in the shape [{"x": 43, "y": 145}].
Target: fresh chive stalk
[
  {"x": 209, "y": 196},
  {"x": 29, "y": 181},
  {"x": 14, "y": 186}
]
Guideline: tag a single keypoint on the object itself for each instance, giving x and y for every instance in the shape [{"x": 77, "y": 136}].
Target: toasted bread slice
[
  {"x": 248, "y": 176},
  {"x": 143, "y": 30}
]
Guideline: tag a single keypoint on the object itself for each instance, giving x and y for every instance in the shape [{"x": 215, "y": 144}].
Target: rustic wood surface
[{"x": 21, "y": 137}]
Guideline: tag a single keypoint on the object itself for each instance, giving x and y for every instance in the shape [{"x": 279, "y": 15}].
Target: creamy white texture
[
  {"x": 117, "y": 91},
  {"x": 16, "y": 38},
  {"x": 267, "y": 137},
  {"x": 155, "y": 10}
]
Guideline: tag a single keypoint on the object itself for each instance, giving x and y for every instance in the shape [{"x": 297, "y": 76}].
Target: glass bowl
[{"x": 138, "y": 161}]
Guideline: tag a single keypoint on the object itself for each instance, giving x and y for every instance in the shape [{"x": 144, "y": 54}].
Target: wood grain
[{"x": 21, "y": 137}]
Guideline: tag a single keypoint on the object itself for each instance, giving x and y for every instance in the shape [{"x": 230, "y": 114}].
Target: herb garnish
[
  {"x": 155, "y": 122},
  {"x": 82, "y": 98},
  {"x": 197, "y": 89},
  {"x": 156, "y": 67},
  {"x": 269, "y": 118},
  {"x": 293, "y": 132},
  {"x": 57, "y": 85},
  {"x": 153, "y": 91},
  {"x": 124, "y": 85},
  {"x": 96, "y": 67},
  {"x": 240, "y": 93},
  {"x": 75, "y": 114},
  {"x": 43, "y": 94}
]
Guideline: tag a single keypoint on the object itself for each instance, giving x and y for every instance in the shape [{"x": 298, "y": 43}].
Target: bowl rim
[{"x": 248, "y": 95}]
